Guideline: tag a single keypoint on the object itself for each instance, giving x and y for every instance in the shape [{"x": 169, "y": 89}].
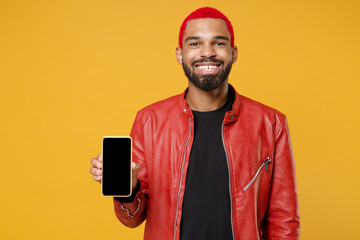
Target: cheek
[
  {"x": 187, "y": 61},
  {"x": 225, "y": 55},
  {"x": 189, "y": 56}
]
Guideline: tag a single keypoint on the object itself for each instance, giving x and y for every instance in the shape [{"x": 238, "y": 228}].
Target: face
[{"x": 207, "y": 55}]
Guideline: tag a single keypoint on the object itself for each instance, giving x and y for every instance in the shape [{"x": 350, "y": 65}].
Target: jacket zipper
[
  {"x": 266, "y": 164},
  {"x": 181, "y": 177},
  {"x": 227, "y": 161}
]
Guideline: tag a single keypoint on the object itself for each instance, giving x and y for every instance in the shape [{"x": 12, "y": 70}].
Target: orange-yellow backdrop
[{"x": 74, "y": 71}]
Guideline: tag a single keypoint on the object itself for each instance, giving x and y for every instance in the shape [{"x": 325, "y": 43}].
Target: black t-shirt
[{"x": 206, "y": 212}]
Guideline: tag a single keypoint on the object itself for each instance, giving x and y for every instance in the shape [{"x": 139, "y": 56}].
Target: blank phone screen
[{"x": 116, "y": 171}]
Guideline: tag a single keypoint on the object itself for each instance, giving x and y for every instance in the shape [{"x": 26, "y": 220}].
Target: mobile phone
[{"x": 116, "y": 169}]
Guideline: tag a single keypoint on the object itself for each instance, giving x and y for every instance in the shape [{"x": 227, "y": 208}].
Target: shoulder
[
  {"x": 162, "y": 108},
  {"x": 251, "y": 106},
  {"x": 165, "y": 104},
  {"x": 257, "y": 112}
]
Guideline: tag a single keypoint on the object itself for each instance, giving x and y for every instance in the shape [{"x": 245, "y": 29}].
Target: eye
[
  {"x": 219, "y": 44},
  {"x": 194, "y": 44}
]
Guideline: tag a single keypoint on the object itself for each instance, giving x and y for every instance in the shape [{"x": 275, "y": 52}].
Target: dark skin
[{"x": 204, "y": 38}]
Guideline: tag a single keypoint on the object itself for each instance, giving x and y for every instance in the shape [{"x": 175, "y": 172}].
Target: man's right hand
[{"x": 96, "y": 170}]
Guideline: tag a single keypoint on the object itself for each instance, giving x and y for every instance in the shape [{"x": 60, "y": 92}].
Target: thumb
[{"x": 135, "y": 168}]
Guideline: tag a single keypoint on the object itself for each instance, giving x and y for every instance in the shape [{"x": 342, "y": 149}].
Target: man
[{"x": 210, "y": 163}]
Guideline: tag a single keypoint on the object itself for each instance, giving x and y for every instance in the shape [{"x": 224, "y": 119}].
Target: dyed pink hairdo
[{"x": 206, "y": 12}]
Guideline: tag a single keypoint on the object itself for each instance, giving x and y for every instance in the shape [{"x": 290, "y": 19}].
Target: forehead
[{"x": 203, "y": 27}]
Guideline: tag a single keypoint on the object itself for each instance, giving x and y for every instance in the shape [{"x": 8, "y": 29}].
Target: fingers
[
  {"x": 97, "y": 178},
  {"x": 96, "y": 169},
  {"x": 96, "y": 163},
  {"x": 100, "y": 157},
  {"x": 97, "y": 174}
]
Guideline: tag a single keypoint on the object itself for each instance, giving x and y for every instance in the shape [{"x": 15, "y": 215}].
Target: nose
[{"x": 207, "y": 51}]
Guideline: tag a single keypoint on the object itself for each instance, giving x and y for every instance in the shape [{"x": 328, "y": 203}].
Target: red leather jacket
[{"x": 260, "y": 163}]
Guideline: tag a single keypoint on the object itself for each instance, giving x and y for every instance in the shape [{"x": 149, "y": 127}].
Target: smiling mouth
[{"x": 208, "y": 68}]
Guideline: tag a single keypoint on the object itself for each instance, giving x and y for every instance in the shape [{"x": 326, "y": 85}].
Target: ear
[
  {"x": 179, "y": 55},
  {"x": 234, "y": 54}
]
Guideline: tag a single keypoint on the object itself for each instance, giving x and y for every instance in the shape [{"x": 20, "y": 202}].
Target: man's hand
[{"x": 96, "y": 170}]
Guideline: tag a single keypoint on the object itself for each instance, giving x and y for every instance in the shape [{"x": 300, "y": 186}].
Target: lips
[{"x": 207, "y": 67}]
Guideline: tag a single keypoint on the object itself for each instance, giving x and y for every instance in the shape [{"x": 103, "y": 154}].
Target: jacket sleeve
[
  {"x": 282, "y": 218},
  {"x": 132, "y": 214}
]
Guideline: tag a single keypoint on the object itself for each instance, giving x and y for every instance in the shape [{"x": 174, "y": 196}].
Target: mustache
[{"x": 207, "y": 60}]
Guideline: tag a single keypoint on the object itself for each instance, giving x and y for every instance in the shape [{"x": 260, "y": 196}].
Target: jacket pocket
[{"x": 265, "y": 164}]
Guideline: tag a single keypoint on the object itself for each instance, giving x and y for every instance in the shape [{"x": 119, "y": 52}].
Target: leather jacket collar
[{"x": 230, "y": 117}]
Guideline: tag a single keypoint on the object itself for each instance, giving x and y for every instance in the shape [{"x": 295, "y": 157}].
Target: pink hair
[{"x": 206, "y": 12}]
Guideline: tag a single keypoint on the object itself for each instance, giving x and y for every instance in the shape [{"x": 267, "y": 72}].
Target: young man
[{"x": 210, "y": 163}]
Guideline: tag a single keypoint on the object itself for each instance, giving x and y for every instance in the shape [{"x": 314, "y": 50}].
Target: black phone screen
[{"x": 116, "y": 171}]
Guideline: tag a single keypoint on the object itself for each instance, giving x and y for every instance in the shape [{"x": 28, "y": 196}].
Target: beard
[{"x": 207, "y": 82}]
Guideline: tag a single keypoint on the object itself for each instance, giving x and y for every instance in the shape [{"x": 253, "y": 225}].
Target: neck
[{"x": 203, "y": 101}]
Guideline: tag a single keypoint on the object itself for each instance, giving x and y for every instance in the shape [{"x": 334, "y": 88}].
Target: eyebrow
[
  {"x": 223, "y": 38},
  {"x": 197, "y": 38},
  {"x": 192, "y": 38}
]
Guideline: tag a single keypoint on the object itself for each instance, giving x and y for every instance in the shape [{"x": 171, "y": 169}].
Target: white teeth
[{"x": 206, "y": 67}]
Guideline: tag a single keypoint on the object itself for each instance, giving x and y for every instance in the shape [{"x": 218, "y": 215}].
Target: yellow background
[{"x": 74, "y": 71}]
